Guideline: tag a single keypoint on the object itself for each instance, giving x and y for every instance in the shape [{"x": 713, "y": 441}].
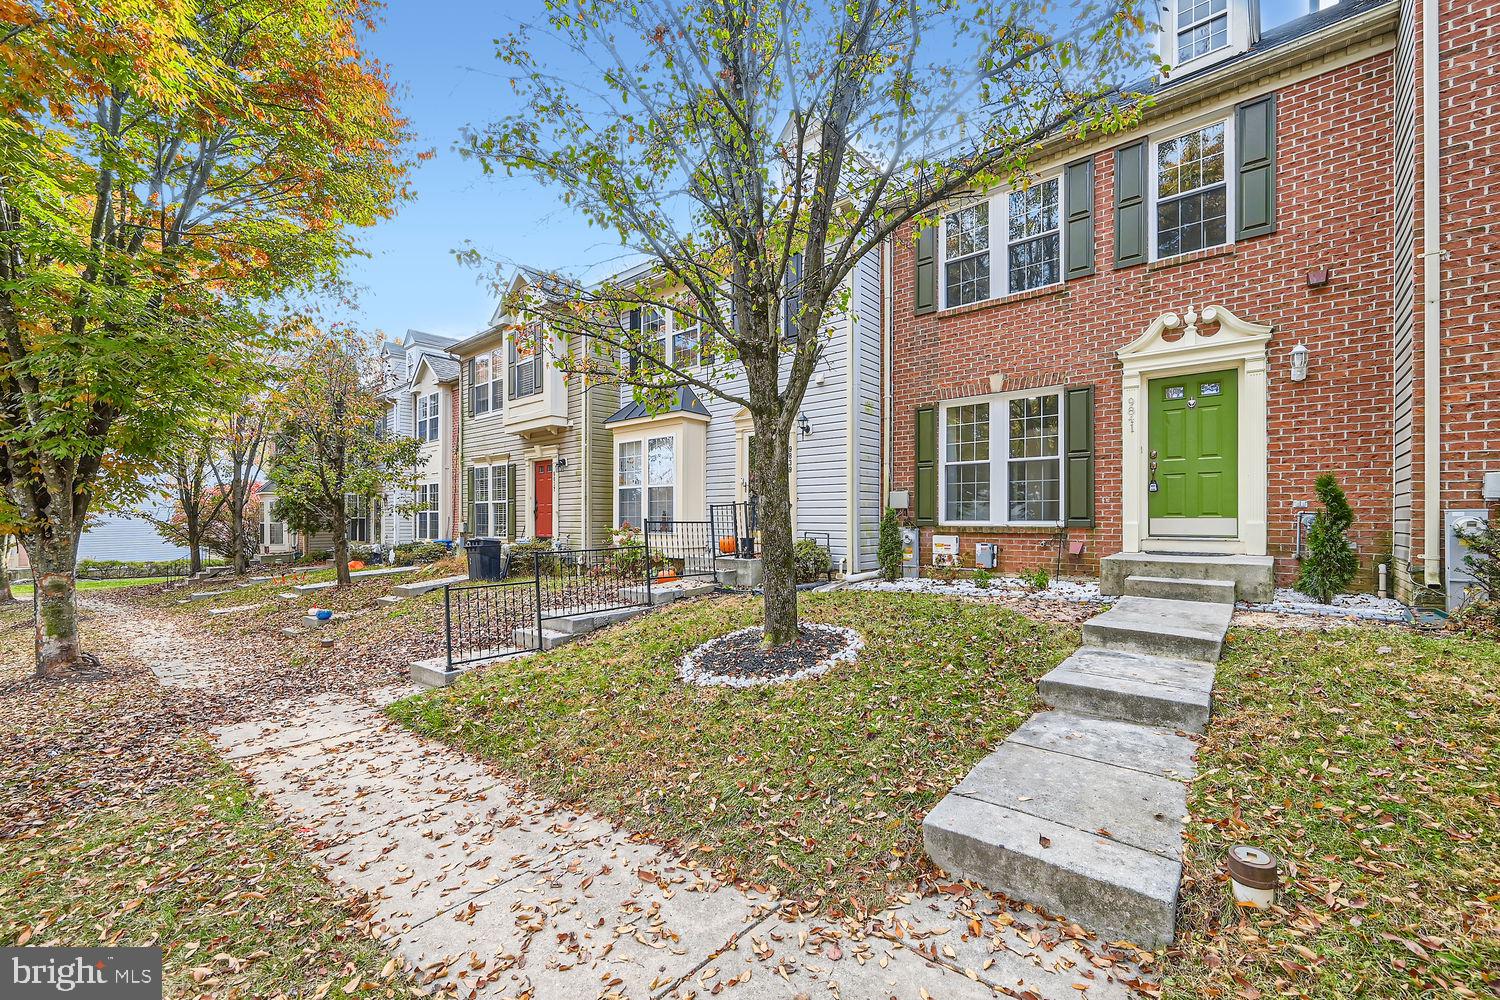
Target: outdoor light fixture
[
  {"x": 803, "y": 425},
  {"x": 1299, "y": 363},
  {"x": 1252, "y": 877}
]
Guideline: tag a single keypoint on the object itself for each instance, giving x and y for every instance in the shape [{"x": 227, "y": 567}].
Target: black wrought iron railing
[
  {"x": 686, "y": 548},
  {"x": 738, "y": 522},
  {"x": 586, "y": 581},
  {"x": 489, "y": 621}
]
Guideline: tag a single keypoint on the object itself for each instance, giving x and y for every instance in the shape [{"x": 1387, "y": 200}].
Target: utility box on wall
[
  {"x": 1457, "y": 576},
  {"x": 986, "y": 555},
  {"x": 911, "y": 553}
]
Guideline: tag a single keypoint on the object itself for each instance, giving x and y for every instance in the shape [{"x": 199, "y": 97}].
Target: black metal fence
[
  {"x": 493, "y": 620},
  {"x": 686, "y": 548},
  {"x": 738, "y": 522}
]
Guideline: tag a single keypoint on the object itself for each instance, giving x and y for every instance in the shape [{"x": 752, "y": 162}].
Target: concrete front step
[
  {"x": 672, "y": 590},
  {"x": 1132, "y": 687},
  {"x": 584, "y": 623},
  {"x": 388, "y": 600},
  {"x": 1172, "y": 589},
  {"x": 1254, "y": 577},
  {"x": 1112, "y": 888},
  {"x": 528, "y": 637},
  {"x": 417, "y": 588},
  {"x": 1183, "y": 630}
]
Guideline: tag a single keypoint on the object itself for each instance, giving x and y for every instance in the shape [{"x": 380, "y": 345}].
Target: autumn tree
[
  {"x": 331, "y": 443},
  {"x": 187, "y": 486},
  {"x": 753, "y": 152},
  {"x": 165, "y": 167}
]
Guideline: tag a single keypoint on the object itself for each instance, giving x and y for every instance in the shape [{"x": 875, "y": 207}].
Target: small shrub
[
  {"x": 536, "y": 554},
  {"x": 1330, "y": 563},
  {"x": 1036, "y": 579},
  {"x": 1480, "y": 614},
  {"x": 983, "y": 578},
  {"x": 316, "y": 556},
  {"x": 889, "y": 551},
  {"x": 418, "y": 553},
  {"x": 814, "y": 562}
]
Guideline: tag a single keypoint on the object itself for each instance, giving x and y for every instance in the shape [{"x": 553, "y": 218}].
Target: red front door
[{"x": 541, "y": 503}]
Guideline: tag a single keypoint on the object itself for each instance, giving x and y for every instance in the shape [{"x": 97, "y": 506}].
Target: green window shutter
[
  {"x": 470, "y": 505},
  {"x": 467, "y": 391},
  {"x": 510, "y": 502},
  {"x": 1078, "y": 190},
  {"x": 1079, "y": 477},
  {"x": 1130, "y": 205},
  {"x": 1255, "y": 168},
  {"x": 926, "y": 292},
  {"x": 926, "y": 500}
]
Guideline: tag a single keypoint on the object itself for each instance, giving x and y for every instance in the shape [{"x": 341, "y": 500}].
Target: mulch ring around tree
[{"x": 736, "y": 659}]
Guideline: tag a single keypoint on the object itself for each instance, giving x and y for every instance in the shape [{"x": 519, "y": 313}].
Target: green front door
[{"x": 1193, "y": 472}]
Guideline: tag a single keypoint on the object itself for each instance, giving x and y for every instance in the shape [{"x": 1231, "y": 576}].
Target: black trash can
[{"x": 484, "y": 558}]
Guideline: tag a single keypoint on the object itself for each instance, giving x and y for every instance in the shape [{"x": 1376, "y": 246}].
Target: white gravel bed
[
  {"x": 1366, "y": 607},
  {"x": 689, "y": 670},
  {"x": 1001, "y": 586}
]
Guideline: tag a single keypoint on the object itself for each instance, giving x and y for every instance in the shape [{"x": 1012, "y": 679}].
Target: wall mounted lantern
[
  {"x": 1299, "y": 363},
  {"x": 803, "y": 425}
]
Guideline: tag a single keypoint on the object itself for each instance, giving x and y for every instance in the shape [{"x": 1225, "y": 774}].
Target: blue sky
[{"x": 441, "y": 57}]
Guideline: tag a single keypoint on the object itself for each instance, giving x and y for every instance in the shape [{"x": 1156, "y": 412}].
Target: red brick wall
[{"x": 1333, "y": 211}]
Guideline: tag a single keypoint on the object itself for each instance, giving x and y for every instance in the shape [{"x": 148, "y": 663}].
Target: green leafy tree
[
  {"x": 889, "y": 550},
  {"x": 753, "y": 153},
  {"x": 330, "y": 445},
  {"x": 1331, "y": 562},
  {"x": 166, "y": 170}
]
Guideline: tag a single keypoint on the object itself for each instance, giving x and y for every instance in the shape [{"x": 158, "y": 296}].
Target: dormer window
[
  {"x": 1202, "y": 28},
  {"x": 1198, "y": 33}
]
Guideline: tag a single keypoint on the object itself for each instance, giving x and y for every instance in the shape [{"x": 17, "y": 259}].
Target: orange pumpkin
[
  {"x": 355, "y": 565},
  {"x": 666, "y": 576},
  {"x": 727, "y": 545}
]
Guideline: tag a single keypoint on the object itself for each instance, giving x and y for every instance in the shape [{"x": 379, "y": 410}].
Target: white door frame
[{"x": 1238, "y": 345}]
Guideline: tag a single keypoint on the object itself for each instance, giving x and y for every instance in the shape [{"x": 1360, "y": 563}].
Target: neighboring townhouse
[
  {"x": 696, "y": 454},
  {"x": 535, "y": 451},
  {"x": 421, "y": 392},
  {"x": 1156, "y": 346}
]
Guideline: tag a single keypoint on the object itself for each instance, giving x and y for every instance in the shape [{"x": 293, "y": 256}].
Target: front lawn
[
  {"x": 119, "y": 825},
  {"x": 1367, "y": 759},
  {"x": 814, "y": 788}
]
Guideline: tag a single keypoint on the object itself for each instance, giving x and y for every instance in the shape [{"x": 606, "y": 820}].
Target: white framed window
[
  {"x": 486, "y": 383},
  {"x": 526, "y": 356},
  {"x": 491, "y": 500},
  {"x": 687, "y": 340},
  {"x": 1202, "y": 28},
  {"x": 428, "y": 515},
  {"x": 661, "y": 478},
  {"x": 1193, "y": 196},
  {"x": 357, "y": 515},
  {"x": 429, "y": 410},
  {"x": 629, "y": 481},
  {"x": 1002, "y": 459},
  {"x": 1011, "y": 241}
]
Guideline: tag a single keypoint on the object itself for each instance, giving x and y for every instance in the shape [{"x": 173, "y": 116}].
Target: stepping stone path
[{"x": 1082, "y": 809}]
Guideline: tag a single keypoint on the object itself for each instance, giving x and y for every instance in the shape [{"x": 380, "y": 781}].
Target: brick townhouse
[{"x": 1148, "y": 354}]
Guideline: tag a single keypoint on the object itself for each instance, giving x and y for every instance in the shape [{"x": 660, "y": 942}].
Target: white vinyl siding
[{"x": 1002, "y": 459}]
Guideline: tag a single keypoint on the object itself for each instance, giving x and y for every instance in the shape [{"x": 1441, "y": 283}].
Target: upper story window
[
  {"x": 486, "y": 383},
  {"x": 791, "y": 303},
  {"x": 525, "y": 363},
  {"x": 1192, "y": 194},
  {"x": 687, "y": 340},
  {"x": 1202, "y": 27},
  {"x": 429, "y": 410},
  {"x": 1027, "y": 255}
]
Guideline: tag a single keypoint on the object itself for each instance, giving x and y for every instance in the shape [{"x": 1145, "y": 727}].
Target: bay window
[
  {"x": 1002, "y": 460},
  {"x": 628, "y": 474},
  {"x": 526, "y": 362},
  {"x": 1192, "y": 195},
  {"x": 661, "y": 478},
  {"x": 646, "y": 481}
]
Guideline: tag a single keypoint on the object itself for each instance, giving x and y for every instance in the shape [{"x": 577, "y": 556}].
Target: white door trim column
[{"x": 1237, "y": 344}]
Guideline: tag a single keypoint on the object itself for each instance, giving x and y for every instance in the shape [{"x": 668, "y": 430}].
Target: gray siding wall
[
  {"x": 1403, "y": 333},
  {"x": 822, "y": 473},
  {"x": 119, "y": 536}
]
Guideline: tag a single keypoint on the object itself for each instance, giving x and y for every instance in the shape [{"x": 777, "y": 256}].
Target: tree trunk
[
  {"x": 778, "y": 561},
  {"x": 54, "y": 570},
  {"x": 194, "y": 544},
  {"x": 341, "y": 547},
  {"x": 238, "y": 554}
]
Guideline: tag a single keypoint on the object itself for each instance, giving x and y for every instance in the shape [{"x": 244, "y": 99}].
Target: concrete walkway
[{"x": 492, "y": 893}]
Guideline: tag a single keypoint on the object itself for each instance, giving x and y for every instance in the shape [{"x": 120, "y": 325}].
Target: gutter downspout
[
  {"x": 851, "y": 431},
  {"x": 1432, "y": 277},
  {"x": 888, "y": 337}
]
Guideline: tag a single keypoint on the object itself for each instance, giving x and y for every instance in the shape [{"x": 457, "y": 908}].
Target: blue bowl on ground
[{"x": 324, "y": 614}]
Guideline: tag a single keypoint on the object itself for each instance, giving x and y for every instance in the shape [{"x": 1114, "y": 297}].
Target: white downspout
[
  {"x": 887, "y": 337},
  {"x": 1432, "y": 243},
  {"x": 851, "y": 430}
]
